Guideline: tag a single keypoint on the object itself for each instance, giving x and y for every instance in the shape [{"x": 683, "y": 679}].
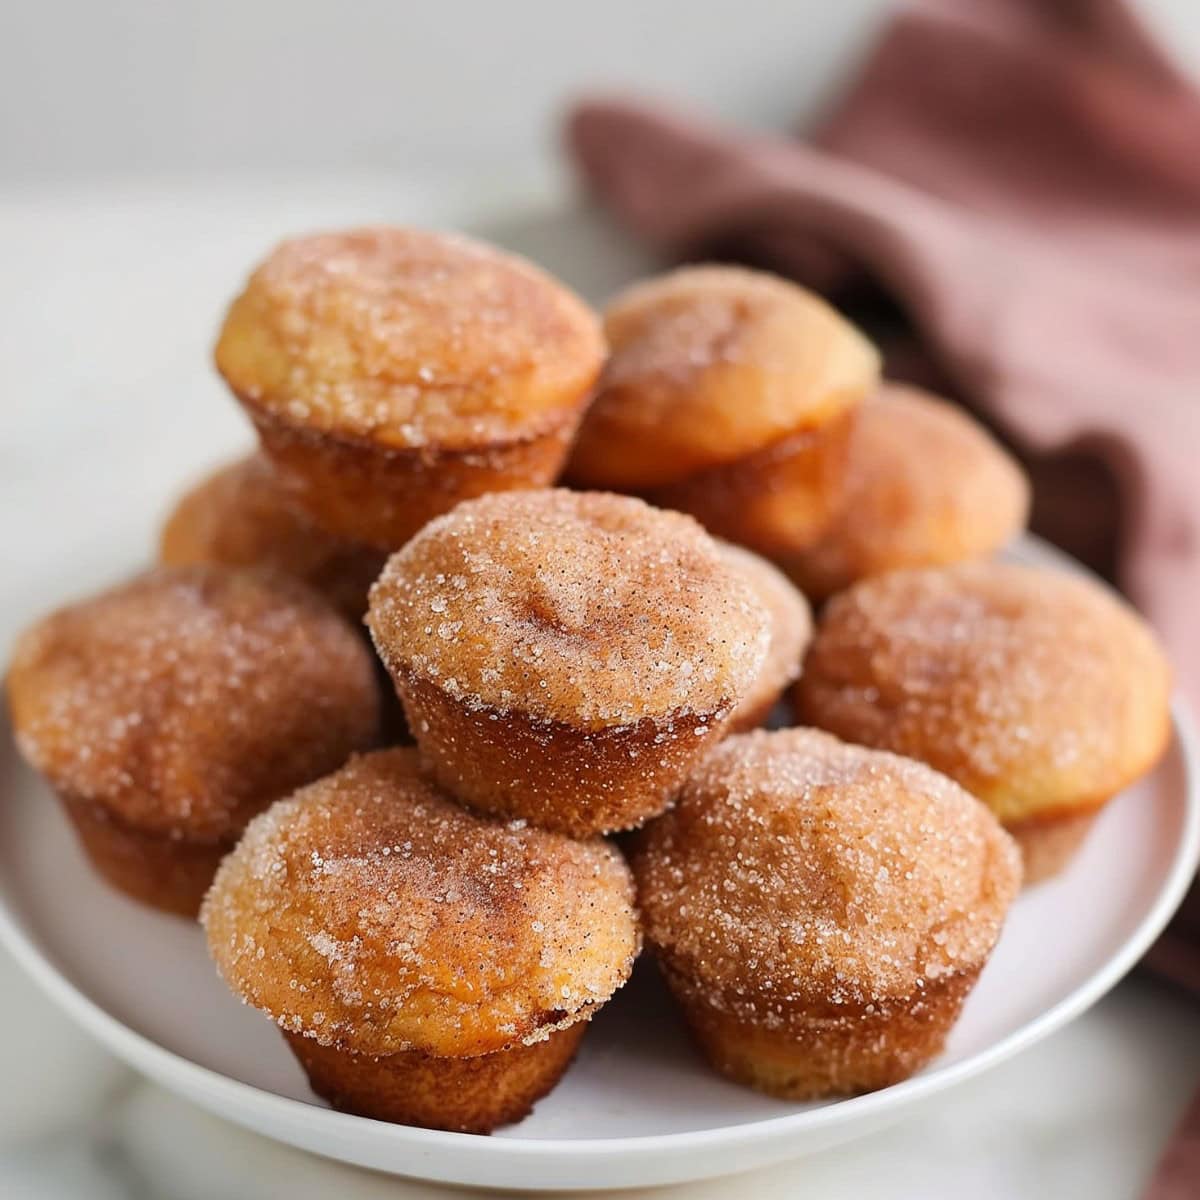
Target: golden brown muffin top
[
  {"x": 370, "y": 912},
  {"x": 408, "y": 338},
  {"x": 241, "y": 516},
  {"x": 925, "y": 485},
  {"x": 790, "y": 619},
  {"x": 1039, "y": 691},
  {"x": 797, "y": 869},
  {"x": 586, "y": 608},
  {"x": 189, "y": 698},
  {"x": 710, "y": 364}
]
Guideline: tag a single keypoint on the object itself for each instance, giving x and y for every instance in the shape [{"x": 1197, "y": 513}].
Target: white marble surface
[{"x": 1083, "y": 1114}]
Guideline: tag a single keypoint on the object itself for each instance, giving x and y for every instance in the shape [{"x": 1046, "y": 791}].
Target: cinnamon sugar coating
[
  {"x": 791, "y": 629},
  {"x": 585, "y": 608},
  {"x": 797, "y": 874},
  {"x": 1039, "y": 691},
  {"x": 925, "y": 485},
  {"x": 186, "y": 700},
  {"x": 371, "y": 913},
  {"x": 241, "y": 516},
  {"x": 408, "y": 339},
  {"x": 710, "y": 364}
]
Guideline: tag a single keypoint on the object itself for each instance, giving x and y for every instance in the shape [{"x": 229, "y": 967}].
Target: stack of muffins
[{"x": 432, "y": 925}]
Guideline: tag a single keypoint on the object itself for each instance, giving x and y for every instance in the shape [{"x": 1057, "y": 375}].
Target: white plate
[
  {"x": 638, "y": 1107},
  {"x": 139, "y": 276}
]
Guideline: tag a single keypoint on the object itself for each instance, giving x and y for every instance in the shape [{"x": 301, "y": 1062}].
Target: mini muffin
[
  {"x": 820, "y": 911},
  {"x": 566, "y": 657},
  {"x": 729, "y": 394},
  {"x": 241, "y": 516},
  {"x": 709, "y": 364},
  {"x": 791, "y": 630},
  {"x": 393, "y": 372},
  {"x": 1038, "y": 691},
  {"x": 427, "y": 966},
  {"x": 925, "y": 486},
  {"x": 168, "y": 711}
]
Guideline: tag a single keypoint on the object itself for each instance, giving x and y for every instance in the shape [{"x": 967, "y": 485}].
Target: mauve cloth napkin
[{"x": 1017, "y": 183}]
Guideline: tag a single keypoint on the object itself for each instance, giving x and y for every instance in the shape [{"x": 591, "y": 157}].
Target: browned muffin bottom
[
  {"x": 466, "y": 1095},
  {"x": 925, "y": 485},
  {"x": 427, "y": 965},
  {"x": 167, "y": 711},
  {"x": 820, "y": 910},
  {"x": 393, "y": 372},
  {"x": 777, "y": 500},
  {"x": 566, "y": 657},
  {"x": 1040, "y": 692}
]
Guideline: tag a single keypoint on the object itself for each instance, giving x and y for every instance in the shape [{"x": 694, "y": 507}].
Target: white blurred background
[
  {"x": 106, "y": 87},
  {"x": 120, "y": 85}
]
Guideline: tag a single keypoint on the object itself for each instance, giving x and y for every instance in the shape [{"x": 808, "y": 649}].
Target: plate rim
[{"x": 222, "y": 1094}]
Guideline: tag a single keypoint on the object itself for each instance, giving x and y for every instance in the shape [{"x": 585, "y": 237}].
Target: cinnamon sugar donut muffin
[
  {"x": 168, "y": 711},
  {"x": 925, "y": 485},
  {"x": 427, "y": 966},
  {"x": 1039, "y": 691},
  {"x": 566, "y": 657},
  {"x": 393, "y": 372},
  {"x": 240, "y": 516},
  {"x": 820, "y": 911},
  {"x": 791, "y": 630},
  {"x": 729, "y": 394}
]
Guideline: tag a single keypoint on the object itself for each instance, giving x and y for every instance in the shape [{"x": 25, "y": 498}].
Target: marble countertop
[
  {"x": 1085, "y": 1113},
  {"x": 114, "y": 355}
]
